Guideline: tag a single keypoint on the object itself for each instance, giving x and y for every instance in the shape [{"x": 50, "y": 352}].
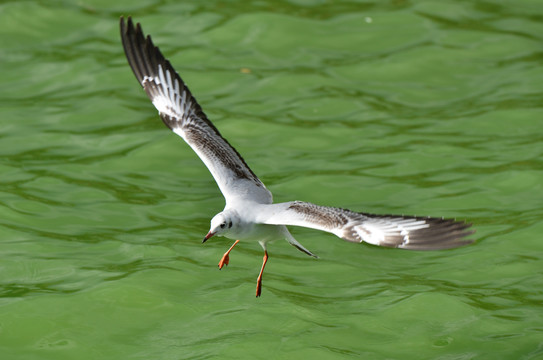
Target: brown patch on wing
[
  {"x": 325, "y": 216},
  {"x": 219, "y": 150},
  {"x": 351, "y": 234}
]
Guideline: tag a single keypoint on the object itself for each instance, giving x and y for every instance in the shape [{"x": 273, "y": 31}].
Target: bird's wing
[
  {"x": 398, "y": 231},
  {"x": 182, "y": 114}
]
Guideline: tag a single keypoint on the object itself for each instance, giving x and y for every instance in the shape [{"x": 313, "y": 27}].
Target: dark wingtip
[
  {"x": 124, "y": 24},
  {"x": 442, "y": 234}
]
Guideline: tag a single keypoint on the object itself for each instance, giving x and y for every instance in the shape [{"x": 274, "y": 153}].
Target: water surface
[{"x": 426, "y": 108}]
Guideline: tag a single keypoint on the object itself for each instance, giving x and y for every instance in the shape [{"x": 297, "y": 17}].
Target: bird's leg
[
  {"x": 225, "y": 258},
  {"x": 259, "y": 280}
]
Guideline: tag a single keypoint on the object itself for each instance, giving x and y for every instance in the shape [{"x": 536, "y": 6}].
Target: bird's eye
[
  {"x": 230, "y": 224},
  {"x": 223, "y": 225}
]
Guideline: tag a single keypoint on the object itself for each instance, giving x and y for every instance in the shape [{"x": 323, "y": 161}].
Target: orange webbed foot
[
  {"x": 226, "y": 257},
  {"x": 224, "y": 261}
]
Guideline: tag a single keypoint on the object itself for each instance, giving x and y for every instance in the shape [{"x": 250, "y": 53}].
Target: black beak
[{"x": 209, "y": 234}]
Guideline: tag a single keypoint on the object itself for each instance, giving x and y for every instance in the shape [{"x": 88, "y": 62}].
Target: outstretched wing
[
  {"x": 182, "y": 114},
  {"x": 398, "y": 231}
]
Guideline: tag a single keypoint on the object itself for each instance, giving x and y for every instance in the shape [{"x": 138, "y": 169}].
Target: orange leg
[
  {"x": 259, "y": 280},
  {"x": 226, "y": 257}
]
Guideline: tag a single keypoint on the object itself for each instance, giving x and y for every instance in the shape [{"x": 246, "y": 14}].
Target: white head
[{"x": 222, "y": 223}]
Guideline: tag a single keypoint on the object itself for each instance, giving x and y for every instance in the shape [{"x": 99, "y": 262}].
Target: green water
[{"x": 427, "y": 108}]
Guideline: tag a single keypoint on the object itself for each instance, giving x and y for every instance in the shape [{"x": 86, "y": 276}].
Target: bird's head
[{"x": 221, "y": 224}]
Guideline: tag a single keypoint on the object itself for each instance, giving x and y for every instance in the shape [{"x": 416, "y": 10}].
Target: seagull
[{"x": 249, "y": 213}]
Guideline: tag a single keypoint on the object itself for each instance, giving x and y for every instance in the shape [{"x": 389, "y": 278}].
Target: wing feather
[
  {"x": 179, "y": 110},
  {"x": 398, "y": 231}
]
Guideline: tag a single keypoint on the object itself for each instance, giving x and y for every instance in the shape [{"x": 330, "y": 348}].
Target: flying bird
[{"x": 250, "y": 213}]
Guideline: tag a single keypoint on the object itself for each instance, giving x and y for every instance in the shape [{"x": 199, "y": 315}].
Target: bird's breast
[{"x": 257, "y": 232}]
